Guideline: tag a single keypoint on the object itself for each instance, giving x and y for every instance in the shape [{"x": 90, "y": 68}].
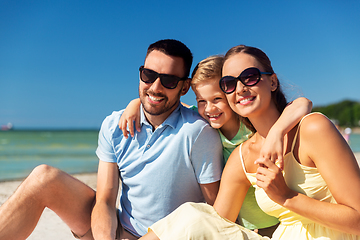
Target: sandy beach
[{"x": 50, "y": 225}]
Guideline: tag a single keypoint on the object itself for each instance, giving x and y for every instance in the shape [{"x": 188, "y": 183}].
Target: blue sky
[{"x": 68, "y": 64}]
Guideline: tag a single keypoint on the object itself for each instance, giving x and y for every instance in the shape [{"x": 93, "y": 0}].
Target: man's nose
[{"x": 156, "y": 85}]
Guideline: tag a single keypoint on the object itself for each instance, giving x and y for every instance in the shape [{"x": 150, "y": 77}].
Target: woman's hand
[
  {"x": 130, "y": 115},
  {"x": 270, "y": 178}
]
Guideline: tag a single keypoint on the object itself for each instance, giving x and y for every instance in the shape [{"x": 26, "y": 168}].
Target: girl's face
[
  {"x": 245, "y": 100},
  {"x": 212, "y": 104}
]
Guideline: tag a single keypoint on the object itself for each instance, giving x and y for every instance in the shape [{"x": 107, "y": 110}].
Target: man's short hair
[{"x": 174, "y": 48}]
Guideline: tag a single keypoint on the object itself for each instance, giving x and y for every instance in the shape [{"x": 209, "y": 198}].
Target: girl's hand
[
  {"x": 273, "y": 146},
  {"x": 273, "y": 149},
  {"x": 130, "y": 115},
  {"x": 270, "y": 178}
]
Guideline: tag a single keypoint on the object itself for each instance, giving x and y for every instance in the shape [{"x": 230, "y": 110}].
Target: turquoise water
[
  {"x": 71, "y": 151},
  {"x": 354, "y": 142}
]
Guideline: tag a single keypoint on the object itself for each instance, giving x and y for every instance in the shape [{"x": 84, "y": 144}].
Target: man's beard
[{"x": 154, "y": 110}]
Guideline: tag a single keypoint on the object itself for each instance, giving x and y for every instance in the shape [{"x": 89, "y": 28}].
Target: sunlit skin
[
  {"x": 254, "y": 101},
  {"x": 213, "y": 107},
  {"x": 159, "y": 102},
  {"x": 244, "y": 100}
]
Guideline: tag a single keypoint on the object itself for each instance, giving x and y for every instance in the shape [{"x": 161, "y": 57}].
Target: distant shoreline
[{"x": 52, "y": 130}]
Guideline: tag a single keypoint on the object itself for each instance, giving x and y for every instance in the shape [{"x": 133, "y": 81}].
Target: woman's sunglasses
[
  {"x": 168, "y": 81},
  {"x": 249, "y": 77}
]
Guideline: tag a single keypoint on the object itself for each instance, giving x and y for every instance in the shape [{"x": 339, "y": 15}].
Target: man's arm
[
  {"x": 207, "y": 159},
  {"x": 103, "y": 219},
  {"x": 210, "y": 191}
]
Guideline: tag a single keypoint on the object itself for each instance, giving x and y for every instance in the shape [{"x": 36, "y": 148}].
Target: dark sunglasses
[
  {"x": 168, "y": 81},
  {"x": 249, "y": 77}
]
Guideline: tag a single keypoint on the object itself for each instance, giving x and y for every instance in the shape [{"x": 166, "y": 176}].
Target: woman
[{"x": 317, "y": 194}]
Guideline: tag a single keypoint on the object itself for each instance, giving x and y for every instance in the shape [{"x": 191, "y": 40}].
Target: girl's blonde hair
[{"x": 207, "y": 70}]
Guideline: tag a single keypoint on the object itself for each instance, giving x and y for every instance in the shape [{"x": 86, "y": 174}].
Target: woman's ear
[{"x": 274, "y": 82}]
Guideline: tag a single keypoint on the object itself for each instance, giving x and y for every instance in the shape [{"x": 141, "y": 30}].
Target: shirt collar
[{"x": 171, "y": 120}]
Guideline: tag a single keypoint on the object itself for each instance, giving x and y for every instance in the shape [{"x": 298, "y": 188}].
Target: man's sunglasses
[
  {"x": 168, "y": 81},
  {"x": 249, "y": 77}
]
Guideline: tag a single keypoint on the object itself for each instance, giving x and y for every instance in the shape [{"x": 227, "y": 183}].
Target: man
[{"x": 175, "y": 158}]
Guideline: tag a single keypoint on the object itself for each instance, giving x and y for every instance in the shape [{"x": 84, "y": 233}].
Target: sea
[{"x": 71, "y": 151}]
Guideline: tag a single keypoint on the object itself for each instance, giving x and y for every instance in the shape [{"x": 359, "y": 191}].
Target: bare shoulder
[
  {"x": 322, "y": 142},
  {"x": 317, "y": 138},
  {"x": 234, "y": 158},
  {"x": 316, "y": 123},
  {"x": 234, "y": 166}
]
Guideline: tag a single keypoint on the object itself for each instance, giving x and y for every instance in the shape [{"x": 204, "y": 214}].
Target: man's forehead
[
  {"x": 155, "y": 54},
  {"x": 160, "y": 62}
]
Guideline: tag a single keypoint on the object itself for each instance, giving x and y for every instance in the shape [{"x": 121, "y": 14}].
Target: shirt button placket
[{"x": 149, "y": 136}]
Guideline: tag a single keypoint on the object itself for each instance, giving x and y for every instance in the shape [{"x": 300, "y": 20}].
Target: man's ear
[
  {"x": 274, "y": 82},
  {"x": 185, "y": 87}
]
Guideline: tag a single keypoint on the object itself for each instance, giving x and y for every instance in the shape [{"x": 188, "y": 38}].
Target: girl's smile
[{"x": 212, "y": 103}]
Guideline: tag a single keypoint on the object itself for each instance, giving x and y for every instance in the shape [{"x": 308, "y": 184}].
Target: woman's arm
[
  {"x": 233, "y": 188},
  {"x": 320, "y": 145},
  {"x": 292, "y": 114}
]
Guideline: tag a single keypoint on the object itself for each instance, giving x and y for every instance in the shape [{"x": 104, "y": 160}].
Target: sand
[{"x": 50, "y": 225}]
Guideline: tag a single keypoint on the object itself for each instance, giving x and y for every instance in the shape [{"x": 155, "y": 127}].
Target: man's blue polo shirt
[{"x": 161, "y": 169}]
